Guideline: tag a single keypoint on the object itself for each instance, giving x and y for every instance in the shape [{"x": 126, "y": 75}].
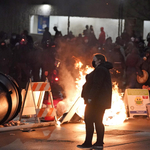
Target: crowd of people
[{"x": 22, "y": 58}]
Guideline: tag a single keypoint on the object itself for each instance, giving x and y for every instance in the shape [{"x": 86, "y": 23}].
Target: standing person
[
  {"x": 102, "y": 37},
  {"x": 131, "y": 63},
  {"x": 125, "y": 37},
  {"x": 58, "y": 34},
  {"x": 97, "y": 92},
  {"x": 86, "y": 32},
  {"x": 29, "y": 38},
  {"x": 92, "y": 37},
  {"x": 46, "y": 37},
  {"x": 148, "y": 39}
]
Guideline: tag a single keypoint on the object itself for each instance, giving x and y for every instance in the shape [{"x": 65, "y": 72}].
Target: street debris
[
  {"x": 12, "y": 123},
  {"x": 27, "y": 130}
]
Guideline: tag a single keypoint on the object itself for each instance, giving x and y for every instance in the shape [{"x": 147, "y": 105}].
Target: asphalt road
[{"x": 133, "y": 134}]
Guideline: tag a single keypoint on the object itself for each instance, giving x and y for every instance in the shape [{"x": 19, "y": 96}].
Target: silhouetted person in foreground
[{"x": 97, "y": 92}]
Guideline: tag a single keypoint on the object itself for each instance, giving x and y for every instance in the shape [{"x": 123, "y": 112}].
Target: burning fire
[
  {"x": 113, "y": 116},
  {"x": 117, "y": 113},
  {"x": 79, "y": 83}
]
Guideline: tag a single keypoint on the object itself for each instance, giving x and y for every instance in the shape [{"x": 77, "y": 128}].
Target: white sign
[{"x": 136, "y": 100}]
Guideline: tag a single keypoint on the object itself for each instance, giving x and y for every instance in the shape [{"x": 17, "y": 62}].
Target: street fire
[
  {"x": 113, "y": 116},
  {"x": 79, "y": 83},
  {"x": 117, "y": 113}
]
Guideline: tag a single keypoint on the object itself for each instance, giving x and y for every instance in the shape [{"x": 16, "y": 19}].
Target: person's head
[
  {"x": 70, "y": 33},
  {"x": 46, "y": 28},
  {"x": 135, "y": 51},
  {"x": 25, "y": 32},
  {"x": 102, "y": 29},
  {"x": 148, "y": 53},
  {"x": 55, "y": 28},
  {"x": 98, "y": 59},
  {"x": 86, "y": 26},
  {"x": 118, "y": 40},
  {"x": 2, "y": 45},
  {"x": 108, "y": 41},
  {"x": 80, "y": 35}
]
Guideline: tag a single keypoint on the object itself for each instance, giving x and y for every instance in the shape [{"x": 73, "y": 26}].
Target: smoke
[
  {"x": 67, "y": 72},
  {"x": 67, "y": 82},
  {"x": 68, "y": 54}
]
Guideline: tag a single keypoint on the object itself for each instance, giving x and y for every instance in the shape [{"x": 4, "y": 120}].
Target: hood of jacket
[{"x": 107, "y": 65}]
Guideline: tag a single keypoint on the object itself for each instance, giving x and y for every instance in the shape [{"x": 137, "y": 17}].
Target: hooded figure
[
  {"x": 97, "y": 92},
  {"x": 95, "y": 88}
]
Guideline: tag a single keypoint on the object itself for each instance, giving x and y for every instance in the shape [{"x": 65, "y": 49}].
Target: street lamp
[{"x": 44, "y": 9}]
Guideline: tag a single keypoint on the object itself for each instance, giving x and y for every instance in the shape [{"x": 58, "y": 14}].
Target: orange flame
[
  {"x": 117, "y": 113},
  {"x": 113, "y": 116}
]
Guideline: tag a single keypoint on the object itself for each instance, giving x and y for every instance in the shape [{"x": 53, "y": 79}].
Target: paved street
[{"x": 133, "y": 134}]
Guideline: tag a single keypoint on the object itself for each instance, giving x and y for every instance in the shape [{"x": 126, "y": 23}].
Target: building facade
[{"x": 18, "y": 15}]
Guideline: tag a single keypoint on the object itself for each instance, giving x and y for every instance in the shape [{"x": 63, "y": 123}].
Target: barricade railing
[{"x": 33, "y": 101}]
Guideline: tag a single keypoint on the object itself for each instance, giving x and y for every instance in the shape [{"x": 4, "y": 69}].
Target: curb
[{"x": 33, "y": 125}]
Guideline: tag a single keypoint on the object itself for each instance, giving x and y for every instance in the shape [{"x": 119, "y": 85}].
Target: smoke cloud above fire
[{"x": 69, "y": 54}]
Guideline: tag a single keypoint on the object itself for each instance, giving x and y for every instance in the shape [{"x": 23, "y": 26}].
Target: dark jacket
[{"x": 98, "y": 86}]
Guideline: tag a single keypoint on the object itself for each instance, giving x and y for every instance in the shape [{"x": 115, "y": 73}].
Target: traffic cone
[{"x": 49, "y": 116}]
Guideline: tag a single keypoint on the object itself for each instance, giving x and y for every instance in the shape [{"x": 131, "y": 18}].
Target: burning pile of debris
[
  {"x": 75, "y": 64},
  {"x": 72, "y": 77}
]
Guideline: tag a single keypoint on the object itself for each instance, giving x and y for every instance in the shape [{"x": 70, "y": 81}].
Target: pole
[
  {"x": 120, "y": 17},
  {"x": 68, "y": 24}
]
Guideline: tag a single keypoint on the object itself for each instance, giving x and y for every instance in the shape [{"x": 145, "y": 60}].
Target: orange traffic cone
[{"x": 48, "y": 117}]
